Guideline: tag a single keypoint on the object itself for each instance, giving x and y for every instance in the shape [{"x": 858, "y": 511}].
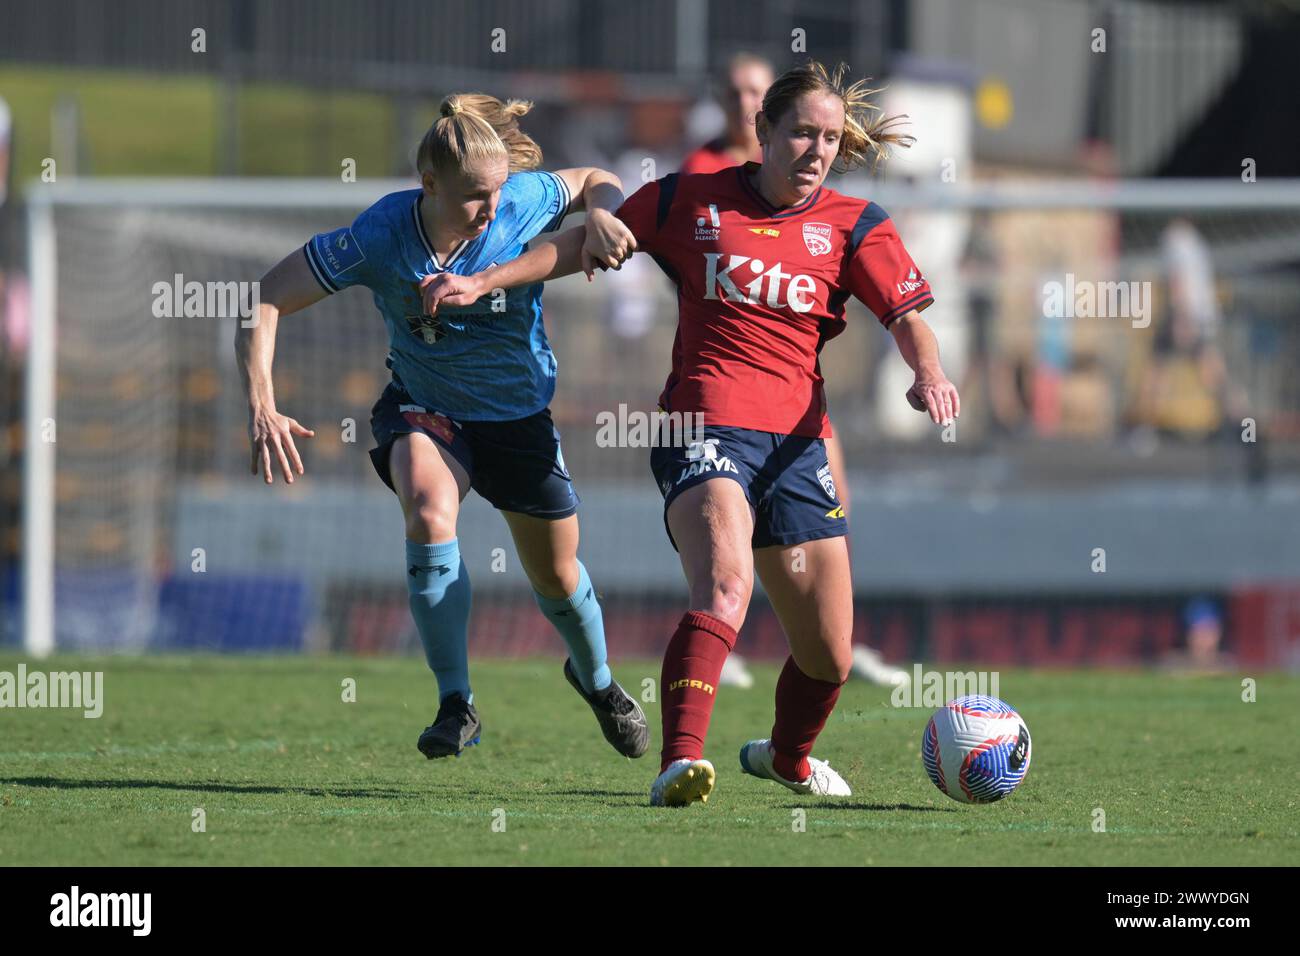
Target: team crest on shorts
[
  {"x": 828, "y": 483},
  {"x": 817, "y": 237},
  {"x": 418, "y": 417}
]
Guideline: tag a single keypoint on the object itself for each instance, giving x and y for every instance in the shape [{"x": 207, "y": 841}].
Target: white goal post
[{"x": 42, "y": 199}]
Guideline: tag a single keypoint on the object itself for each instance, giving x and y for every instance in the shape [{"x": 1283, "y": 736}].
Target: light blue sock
[
  {"x": 438, "y": 584},
  {"x": 580, "y": 623}
]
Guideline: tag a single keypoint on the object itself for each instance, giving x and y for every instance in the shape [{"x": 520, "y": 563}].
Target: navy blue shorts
[
  {"x": 515, "y": 466},
  {"x": 786, "y": 478}
]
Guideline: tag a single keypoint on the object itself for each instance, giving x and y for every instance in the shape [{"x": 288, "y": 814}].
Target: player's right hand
[
  {"x": 269, "y": 431},
  {"x": 934, "y": 394},
  {"x": 450, "y": 289},
  {"x": 608, "y": 242}
]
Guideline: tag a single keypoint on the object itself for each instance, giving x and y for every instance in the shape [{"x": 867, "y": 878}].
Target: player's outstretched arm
[
  {"x": 561, "y": 255},
  {"x": 931, "y": 392},
  {"x": 609, "y": 241},
  {"x": 288, "y": 287}
]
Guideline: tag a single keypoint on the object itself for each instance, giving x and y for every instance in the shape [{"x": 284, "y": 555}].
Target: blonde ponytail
[{"x": 473, "y": 127}]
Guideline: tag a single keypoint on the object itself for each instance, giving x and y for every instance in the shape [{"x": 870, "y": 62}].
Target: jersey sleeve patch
[{"x": 335, "y": 258}]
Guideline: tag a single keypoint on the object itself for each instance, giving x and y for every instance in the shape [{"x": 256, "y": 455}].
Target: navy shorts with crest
[
  {"x": 515, "y": 465},
  {"x": 786, "y": 478}
]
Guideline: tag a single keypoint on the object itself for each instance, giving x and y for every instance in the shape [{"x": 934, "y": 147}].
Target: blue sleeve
[
  {"x": 345, "y": 257},
  {"x": 534, "y": 202}
]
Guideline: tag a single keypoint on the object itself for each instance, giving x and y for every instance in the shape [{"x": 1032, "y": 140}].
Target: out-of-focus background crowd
[{"x": 1060, "y": 145}]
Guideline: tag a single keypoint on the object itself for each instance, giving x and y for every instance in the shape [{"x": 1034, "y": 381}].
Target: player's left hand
[
  {"x": 447, "y": 288},
  {"x": 609, "y": 242},
  {"x": 933, "y": 393}
]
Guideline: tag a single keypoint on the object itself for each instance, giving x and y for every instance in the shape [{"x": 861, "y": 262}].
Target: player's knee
[
  {"x": 429, "y": 521},
  {"x": 727, "y": 597},
  {"x": 555, "y": 579},
  {"x": 832, "y": 665}
]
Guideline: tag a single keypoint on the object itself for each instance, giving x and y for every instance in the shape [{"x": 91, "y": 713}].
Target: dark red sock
[
  {"x": 689, "y": 680},
  {"x": 802, "y": 706}
]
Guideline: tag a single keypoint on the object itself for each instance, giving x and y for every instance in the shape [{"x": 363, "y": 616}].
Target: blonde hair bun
[{"x": 476, "y": 126}]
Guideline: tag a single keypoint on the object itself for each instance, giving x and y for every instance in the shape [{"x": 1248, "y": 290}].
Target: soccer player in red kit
[
  {"x": 747, "y": 79},
  {"x": 764, "y": 258},
  {"x": 743, "y": 86}
]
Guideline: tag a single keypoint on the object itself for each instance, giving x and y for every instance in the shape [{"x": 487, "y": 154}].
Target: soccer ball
[{"x": 976, "y": 749}]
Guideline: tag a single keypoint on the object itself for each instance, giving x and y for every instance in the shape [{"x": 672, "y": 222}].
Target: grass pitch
[{"x": 286, "y": 772}]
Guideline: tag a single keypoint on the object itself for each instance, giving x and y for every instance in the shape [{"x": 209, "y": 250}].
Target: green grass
[
  {"x": 141, "y": 124},
  {"x": 287, "y": 773}
]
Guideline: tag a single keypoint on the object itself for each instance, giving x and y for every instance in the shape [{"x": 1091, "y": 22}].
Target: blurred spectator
[
  {"x": 1052, "y": 358},
  {"x": 631, "y": 290},
  {"x": 992, "y": 382},
  {"x": 1184, "y": 390},
  {"x": 1086, "y": 399},
  {"x": 741, "y": 89},
  {"x": 1203, "y": 632},
  {"x": 631, "y": 303}
]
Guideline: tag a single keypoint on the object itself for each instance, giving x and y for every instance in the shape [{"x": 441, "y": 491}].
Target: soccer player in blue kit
[{"x": 467, "y": 406}]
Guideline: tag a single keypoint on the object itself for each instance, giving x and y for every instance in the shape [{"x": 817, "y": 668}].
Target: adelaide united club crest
[{"x": 817, "y": 237}]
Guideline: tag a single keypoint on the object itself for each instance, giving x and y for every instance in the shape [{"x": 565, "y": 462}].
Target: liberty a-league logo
[
  {"x": 708, "y": 230},
  {"x": 912, "y": 283},
  {"x": 828, "y": 483},
  {"x": 427, "y": 327},
  {"x": 817, "y": 237}
]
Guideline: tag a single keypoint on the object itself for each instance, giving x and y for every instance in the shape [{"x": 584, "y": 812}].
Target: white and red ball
[{"x": 976, "y": 749}]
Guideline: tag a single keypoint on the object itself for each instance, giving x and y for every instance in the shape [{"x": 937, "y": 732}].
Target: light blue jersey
[{"x": 473, "y": 363}]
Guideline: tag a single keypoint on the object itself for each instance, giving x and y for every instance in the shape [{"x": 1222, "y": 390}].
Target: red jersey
[{"x": 760, "y": 290}]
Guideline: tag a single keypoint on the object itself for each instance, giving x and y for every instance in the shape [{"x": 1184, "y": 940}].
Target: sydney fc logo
[
  {"x": 817, "y": 237},
  {"x": 427, "y": 327}
]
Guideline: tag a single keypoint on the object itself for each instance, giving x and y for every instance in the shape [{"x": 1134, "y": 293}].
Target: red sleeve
[
  {"x": 880, "y": 272},
  {"x": 640, "y": 213}
]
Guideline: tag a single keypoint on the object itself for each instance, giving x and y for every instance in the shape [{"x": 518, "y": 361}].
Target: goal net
[{"x": 143, "y": 528}]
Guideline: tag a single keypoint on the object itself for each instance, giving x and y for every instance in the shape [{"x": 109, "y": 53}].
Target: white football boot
[
  {"x": 684, "y": 782},
  {"x": 756, "y": 760},
  {"x": 735, "y": 673},
  {"x": 870, "y": 666}
]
